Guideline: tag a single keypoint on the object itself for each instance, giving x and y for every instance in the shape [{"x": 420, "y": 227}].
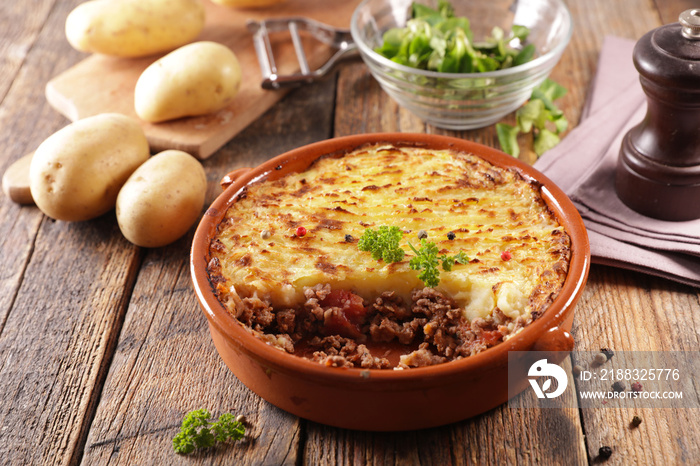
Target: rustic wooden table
[{"x": 103, "y": 347}]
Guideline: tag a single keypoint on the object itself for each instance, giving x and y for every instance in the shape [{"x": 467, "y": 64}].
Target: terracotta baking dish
[{"x": 382, "y": 400}]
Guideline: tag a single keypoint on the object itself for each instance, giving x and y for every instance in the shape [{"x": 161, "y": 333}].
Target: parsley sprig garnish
[
  {"x": 197, "y": 431},
  {"x": 383, "y": 243},
  {"x": 426, "y": 260}
]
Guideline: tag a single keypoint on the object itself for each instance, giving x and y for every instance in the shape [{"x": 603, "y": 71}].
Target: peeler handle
[{"x": 339, "y": 39}]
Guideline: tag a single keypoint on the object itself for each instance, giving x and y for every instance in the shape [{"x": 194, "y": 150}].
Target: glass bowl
[{"x": 460, "y": 101}]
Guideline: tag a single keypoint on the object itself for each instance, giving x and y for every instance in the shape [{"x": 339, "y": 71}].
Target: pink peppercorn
[
  {"x": 636, "y": 387},
  {"x": 506, "y": 256},
  {"x": 301, "y": 231}
]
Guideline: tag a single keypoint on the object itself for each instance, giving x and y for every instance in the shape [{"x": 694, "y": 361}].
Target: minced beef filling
[{"x": 336, "y": 328}]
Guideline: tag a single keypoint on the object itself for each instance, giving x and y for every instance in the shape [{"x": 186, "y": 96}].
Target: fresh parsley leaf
[
  {"x": 426, "y": 260},
  {"x": 383, "y": 243},
  {"x": 449, "y": 261},
  {"x": 197, "y": 431},
  {"x": 227, "y": 428}
]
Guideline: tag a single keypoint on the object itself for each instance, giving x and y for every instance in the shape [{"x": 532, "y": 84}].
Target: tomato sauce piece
[
  {"x": 349, "y": 316},
  {"x": 491, "y": 337}
]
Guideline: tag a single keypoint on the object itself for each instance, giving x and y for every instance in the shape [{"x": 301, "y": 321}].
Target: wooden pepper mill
[{"x": 658, "y": 170}]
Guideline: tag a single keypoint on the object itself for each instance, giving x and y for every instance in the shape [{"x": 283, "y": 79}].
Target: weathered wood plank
[
  {"x": 670, "y": 10},
  {"x": 56, "y": 340},
  {"x": 633, "y": 312},
  {"x": 504, "y": 435},
  {"x": 19, "y": 32},
  {"x": 56, "y": 344},
  {"x": 63, "y": 286},
  {"x": 66, "y": 289},
  {"x": 361, "y": 106},
  {"x": 165, "y": 363},
  {"x": 23, "y": 74},
  {"x": 623, "y": 310}
]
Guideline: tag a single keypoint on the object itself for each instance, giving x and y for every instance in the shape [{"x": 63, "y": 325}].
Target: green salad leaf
[
  {"x": 437, "y": 40},
  {"x": 539, "y": 116}
]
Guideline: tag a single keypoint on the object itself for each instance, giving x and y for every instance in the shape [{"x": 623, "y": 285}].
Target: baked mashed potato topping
[{"x": 282, "y": 238}]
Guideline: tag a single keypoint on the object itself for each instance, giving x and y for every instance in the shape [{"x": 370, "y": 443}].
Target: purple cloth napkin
[{"x": 583, "y": 165}]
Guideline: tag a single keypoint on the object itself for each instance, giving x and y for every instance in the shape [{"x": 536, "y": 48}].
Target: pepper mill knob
[
  {"x": 658, "y": 169},
  {"x": 690, "y": 24}
]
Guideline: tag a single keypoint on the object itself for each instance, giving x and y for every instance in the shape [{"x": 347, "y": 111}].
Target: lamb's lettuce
[
  {"x": 540, "y": 116},
  {"x": 437, "y": 40}
]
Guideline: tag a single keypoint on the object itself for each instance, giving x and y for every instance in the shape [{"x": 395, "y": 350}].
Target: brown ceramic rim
[{"x": 298, "y": 160}]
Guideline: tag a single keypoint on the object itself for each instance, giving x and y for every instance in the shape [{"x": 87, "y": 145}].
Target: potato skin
[
  {"x": 134, "y": 28},
  {"x": 196, "y": 79},
  {"x": 162, "y": 199},
  {"x": 76, "y": 173}
]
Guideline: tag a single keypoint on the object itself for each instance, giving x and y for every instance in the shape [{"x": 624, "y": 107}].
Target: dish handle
[
  {"x": 231, "y": 177},
  {"x": 557, "y": 342}
]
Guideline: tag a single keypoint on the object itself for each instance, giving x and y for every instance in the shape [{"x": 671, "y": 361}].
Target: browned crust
[{"x": 262, "y": 319}]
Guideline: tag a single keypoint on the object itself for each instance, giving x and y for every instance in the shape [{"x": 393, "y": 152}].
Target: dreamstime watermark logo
[{"x": 542, "y": 369}]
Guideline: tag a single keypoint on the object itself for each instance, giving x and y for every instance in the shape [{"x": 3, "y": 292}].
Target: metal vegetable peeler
[{"x": 339, "y": 39}]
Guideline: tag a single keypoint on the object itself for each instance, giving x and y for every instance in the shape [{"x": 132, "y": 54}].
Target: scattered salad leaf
[
  {"x": 197, "y": 431},
  {"x": 383, "y": 243},
  {"x": 508, "y": 138},
  {"x": 539, "y": 116},
  {"x": 544, "y": 141},
  {"x": 437, "y": 40}
]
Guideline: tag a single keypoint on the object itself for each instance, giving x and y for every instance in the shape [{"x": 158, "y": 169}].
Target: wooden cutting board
[{"x": 102, "y": 84}]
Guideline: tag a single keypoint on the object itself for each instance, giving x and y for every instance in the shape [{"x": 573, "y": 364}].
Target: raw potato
[
  {"x": 134, "y": 28},
  {"x": 248, "y": 3},
  {"x": 196, "y": 79},
  {"x": 162, "y": 199},
  {"x": 76, "y": 173}
]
